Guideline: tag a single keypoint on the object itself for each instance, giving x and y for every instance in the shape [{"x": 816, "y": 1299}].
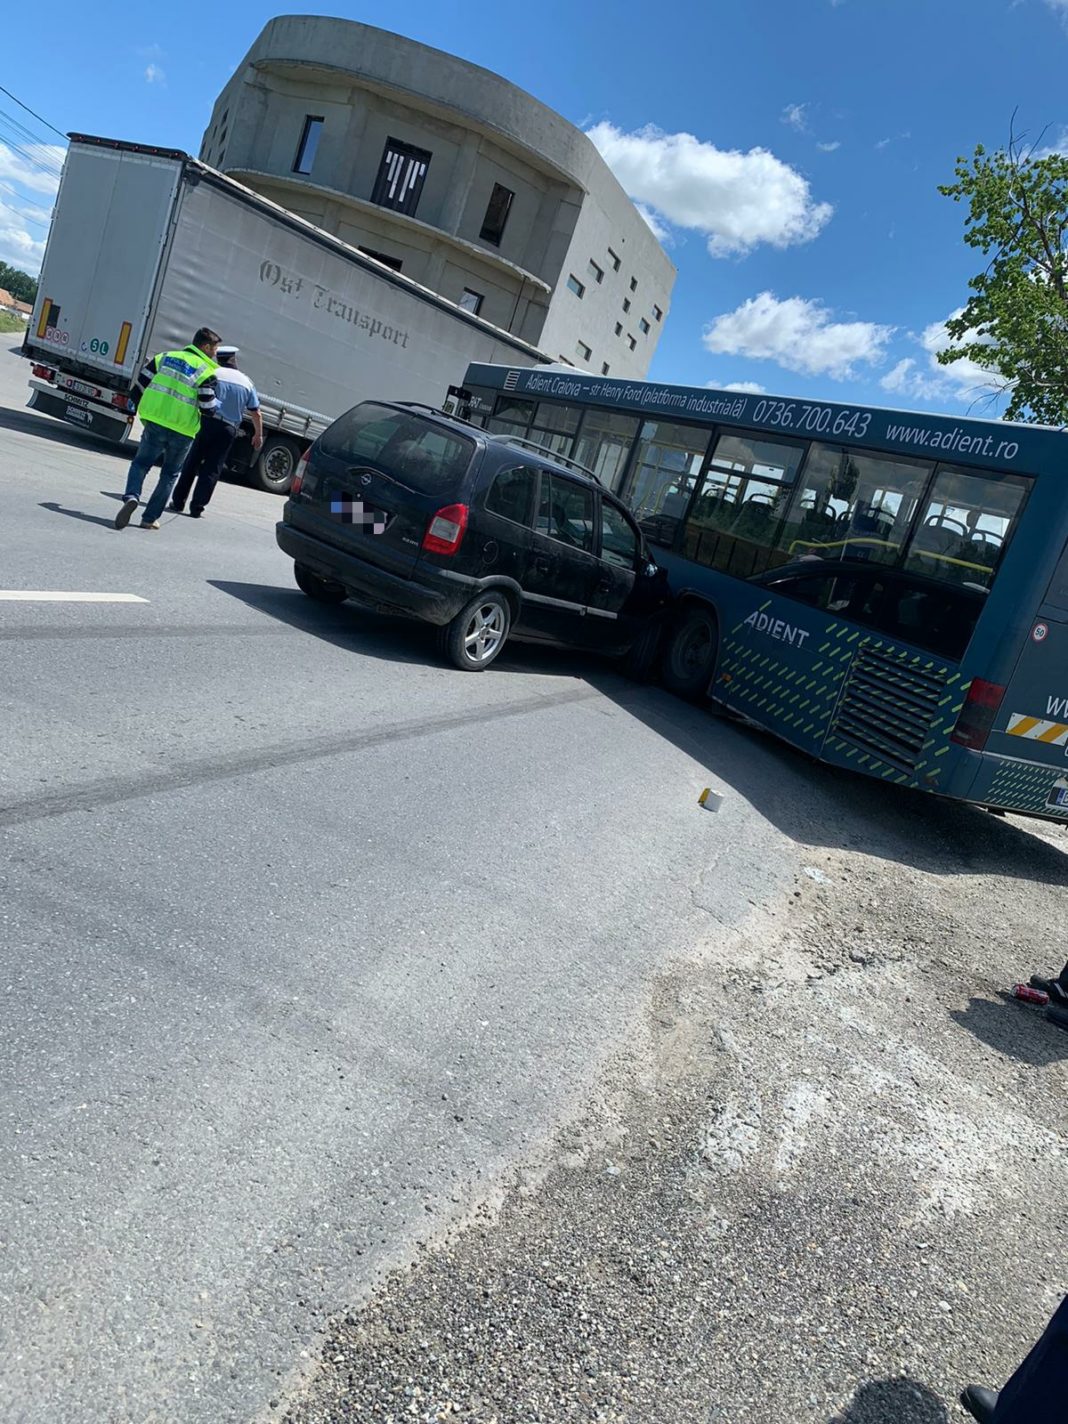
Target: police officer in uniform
[{"x": 237, "y": 398}]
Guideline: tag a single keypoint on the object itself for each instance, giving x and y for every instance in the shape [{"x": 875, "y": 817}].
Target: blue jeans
[{"x": 157, "y": 442}]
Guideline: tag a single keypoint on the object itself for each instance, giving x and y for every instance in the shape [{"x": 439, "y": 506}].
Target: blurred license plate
[
  {"x": 80, "y": 387},
  {"x": 362, "y": 516}
]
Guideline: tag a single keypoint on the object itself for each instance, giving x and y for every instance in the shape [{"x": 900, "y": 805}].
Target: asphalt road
[{"x": 305, "y": 937}]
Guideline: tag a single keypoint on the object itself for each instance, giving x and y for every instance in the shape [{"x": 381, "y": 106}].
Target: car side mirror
[{"x": 649, "y": 569}]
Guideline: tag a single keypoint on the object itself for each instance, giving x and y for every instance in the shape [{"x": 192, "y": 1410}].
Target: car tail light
[
  {"x": 976, "y": 719},
  {"x": 445, "y": 532},
  {"x": 298, "y": 478},
  {"x": 44, "y": 373}
]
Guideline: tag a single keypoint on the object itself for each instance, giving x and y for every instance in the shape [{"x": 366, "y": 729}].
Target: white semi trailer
[{"x": 148, "y": 244}]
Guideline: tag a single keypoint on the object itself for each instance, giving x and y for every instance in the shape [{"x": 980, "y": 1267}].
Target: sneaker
[
  {"x": 125, "y": 514},
  {"x": 195, "y": 513},
  {"x": 175, "y": 507},
  {"x": 146, "y": 524}
]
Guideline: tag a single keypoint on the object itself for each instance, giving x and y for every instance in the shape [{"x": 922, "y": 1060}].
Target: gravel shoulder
[{"x": 820, "y": 1179}]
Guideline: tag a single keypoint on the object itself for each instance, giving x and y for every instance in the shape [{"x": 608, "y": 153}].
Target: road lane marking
[{"x": 36, "y": 595}]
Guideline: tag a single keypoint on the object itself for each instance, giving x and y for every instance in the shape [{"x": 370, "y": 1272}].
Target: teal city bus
[{"x": 885, "y": 590}]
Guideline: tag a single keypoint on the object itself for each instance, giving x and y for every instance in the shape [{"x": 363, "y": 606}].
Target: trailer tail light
[
  {"x": 445, "y": 532},
  {"x": 976, "y": 720},
  {"x": 44, "y": 373},
  {"x": 298, "y": 478}
]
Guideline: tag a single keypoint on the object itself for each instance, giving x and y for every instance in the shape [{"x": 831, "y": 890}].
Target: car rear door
[
  {"x": 500, "y": 538},
  {"x": 562, "y": 568}
]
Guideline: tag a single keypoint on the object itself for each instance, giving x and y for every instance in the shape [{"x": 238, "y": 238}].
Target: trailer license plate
[{"x": 80, "y": 387}]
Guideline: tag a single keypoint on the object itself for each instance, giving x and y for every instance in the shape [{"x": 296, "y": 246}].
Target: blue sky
[{"x": 790, "y": 150}]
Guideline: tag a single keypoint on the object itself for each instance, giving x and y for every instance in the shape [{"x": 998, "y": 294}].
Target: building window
[
  {"x": 400, "y": 177},
  {"x": 631, "y": 342},
  {"x": 626, "y": 304},
  {"x": 226, "y": 115},
  {"x": 584, "y": 351},
  {"x": 574, "y": 285},
  {"x": 309, "y": 142},
  {"x": 658, "y": 314},
  {"x": 634, "y": 284},
  {"x": 471, "y": 301},
  {"x": 383, "y": 257},
  {"x": 644, "y": 327},
  {"x": 619, "y": 328},
  {"x": 497, "y": 210},
  {"x": 614, "y": 260},
  {"x": 597, "y": 273},
  {"x": 604, "y": 368}
]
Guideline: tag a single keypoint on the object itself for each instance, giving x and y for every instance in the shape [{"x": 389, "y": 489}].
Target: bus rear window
[
  {"x": 965, "y": 526},
  {"x": 413, "y": 451}
]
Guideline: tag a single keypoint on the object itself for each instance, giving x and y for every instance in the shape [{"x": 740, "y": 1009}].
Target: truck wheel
[
  {"x": 322, "y": 590},
  {"x": 276, "y": 465},
  {"x": 478, "y": 632},
  {"x": 690, "y": 656}
]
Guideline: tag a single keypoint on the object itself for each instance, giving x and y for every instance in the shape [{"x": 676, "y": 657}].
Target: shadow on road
[
  {"x": 893, "y": 1401},
  {"x": 1014, "y": 1030},
  {"x": 46, "y": 427},
  {"x": 381, "y": 635},
  {"x": 811, "y": 804},
  {"x": 77, "y": 514}
]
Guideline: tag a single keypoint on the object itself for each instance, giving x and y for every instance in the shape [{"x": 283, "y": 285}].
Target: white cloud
[
  {"x": 154, "y": 74},
  {"x": 19, "y": 248},
  {"x": 798, "y": 334},
  {"x": 736, "y": 200},
  {"x": 925, "y": 379},
  {"x": 829, "y": 147},
  {"x": 657, "y": 227},
  {"x": 36, "y": 167},
  {"x": 794, "y": 115},
  {"x": 743, "y": 388}
]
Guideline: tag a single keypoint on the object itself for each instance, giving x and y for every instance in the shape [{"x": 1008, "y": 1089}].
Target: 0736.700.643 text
[{"x": 812, "y": 419}]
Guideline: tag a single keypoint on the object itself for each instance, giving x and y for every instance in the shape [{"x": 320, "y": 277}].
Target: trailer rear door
[{"x": 111, "y": 225}]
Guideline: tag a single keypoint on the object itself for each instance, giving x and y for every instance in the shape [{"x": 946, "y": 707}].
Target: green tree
[
  {"x": 1015, "y": 324},
  {"x": 19, "y": 284}
]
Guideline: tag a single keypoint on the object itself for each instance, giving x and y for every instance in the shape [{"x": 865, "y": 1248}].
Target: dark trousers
[
  {"x": 1038, "y": 1391},
  {"x": 204, "y": 463}
]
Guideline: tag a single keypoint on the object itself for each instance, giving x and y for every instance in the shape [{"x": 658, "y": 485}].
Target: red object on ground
[{"x": 1029, "y": 995}]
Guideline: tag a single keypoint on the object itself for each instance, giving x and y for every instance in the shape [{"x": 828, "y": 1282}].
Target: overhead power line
[{"x": 34, "y": 113}]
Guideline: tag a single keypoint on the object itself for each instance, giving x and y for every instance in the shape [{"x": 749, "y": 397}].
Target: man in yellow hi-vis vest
[{"x": 173, "y": 390}]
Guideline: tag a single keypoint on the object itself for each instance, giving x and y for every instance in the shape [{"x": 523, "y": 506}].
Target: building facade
[{"x": 448, "y": 173}]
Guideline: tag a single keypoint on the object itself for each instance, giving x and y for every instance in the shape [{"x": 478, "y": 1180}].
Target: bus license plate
[{"x": 1058, "y": 796}]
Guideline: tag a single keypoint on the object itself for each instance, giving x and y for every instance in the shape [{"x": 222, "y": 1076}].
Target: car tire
[
  {"x": 322, "y": 590},
  {"x": 690, "y": 656},
  {"x": 639, "y": 662},
  {"x": 275, "y": 465},
  {"x": 479, "y": 631}
]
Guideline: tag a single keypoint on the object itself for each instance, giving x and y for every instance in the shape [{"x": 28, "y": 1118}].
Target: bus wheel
[
  {"x": 276, "y": 465},
  {"x": 690, "y": 656}
]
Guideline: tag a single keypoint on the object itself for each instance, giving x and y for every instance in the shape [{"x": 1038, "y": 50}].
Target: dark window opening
[
  {"x": 497, "y": 210},
  {"x": 309, "y": 143},
  {"x": 634, "y": 284},
  {"x": 626, "y": 304},
  {"x": 604, "y": 368},
  {"x": 400, "y": 177},
  {"x": 574, "y": 285},
  {"x": 644, "y": 325},
  {"x": 470, "y": 301},
  {"x": 383, "y": 257},
  {"x": 597, "y": 273},
  {"x": 614, "y": 260}
]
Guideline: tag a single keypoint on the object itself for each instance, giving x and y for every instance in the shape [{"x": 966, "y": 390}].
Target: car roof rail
[
  {"x": 551, "y": 455},
  {"x": 437, "y": 410}
]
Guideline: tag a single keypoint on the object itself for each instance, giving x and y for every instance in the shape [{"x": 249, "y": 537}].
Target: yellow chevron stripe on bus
[{"x": 1036, "y": 730}]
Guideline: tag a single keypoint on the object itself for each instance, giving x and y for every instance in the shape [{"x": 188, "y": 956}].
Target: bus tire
[
  {"x": 276, "y": 465},
  {"x": 690, "y": 656}
]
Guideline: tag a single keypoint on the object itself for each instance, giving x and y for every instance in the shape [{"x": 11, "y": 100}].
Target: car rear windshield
[{"x": 413, "y": 451}]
